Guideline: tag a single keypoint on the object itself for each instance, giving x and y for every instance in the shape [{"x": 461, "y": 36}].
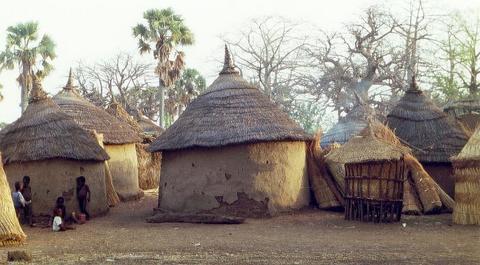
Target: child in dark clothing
[
  {"x": 27, "y": 195},
  {"x": 83, "y": 195}
]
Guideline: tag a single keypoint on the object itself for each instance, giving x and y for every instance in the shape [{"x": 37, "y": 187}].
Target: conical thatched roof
[
  {"x": 44, "y": 131},
  {"x": 366, "y": 147},
  {"x": 351, "y": 125},
  {"x": 463, "y": 106},
  {"x": 231, "y": 111},
  {"x": 120, "y": 113},
  {"x": 471, "y": 151},
  {"x": 148, "y": 126},
  {"x": 11, "y": 232},
  {"x": 92, "y": 117},
  {"x": 432, "y": 135}
]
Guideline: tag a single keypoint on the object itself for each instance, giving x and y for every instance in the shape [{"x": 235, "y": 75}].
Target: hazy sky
[{"x": 92, "y": 30}]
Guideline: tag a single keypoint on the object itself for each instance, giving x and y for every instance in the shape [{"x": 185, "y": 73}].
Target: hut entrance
[{"x": 374, "y": 191}]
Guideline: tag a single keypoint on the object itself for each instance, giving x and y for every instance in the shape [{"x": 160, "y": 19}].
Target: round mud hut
[
  {"x": 466, "y": 111},
  {"x": 233, "y": 152},
  {"x": 148, "y": 163},
  {"x": 11, "y": 233},
  {"x": 119, "y": 139},
  {"x": 51, "y": 148},
  {"x": 467, "y": 182},
  {"x": 432, "y": 135},
  {"x": 347, "y": 127}
]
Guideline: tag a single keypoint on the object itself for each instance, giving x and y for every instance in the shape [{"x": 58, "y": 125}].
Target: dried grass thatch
[
  {"x": 421, "y": 193},
  {"x": 149, "y": 165},
  {"x": 120, "y": 113},
  {"x": 44, "y": 131},
  {"x": 326, "y": 192},
  {"x": 11, "y": 233},
  {"x": 432, "y": 135},
  {"x": 231, "y": 111},
  {"x": 92, "y": 117},
  {"x": 467, "y": 182},
  {"x": 112, "y": 196}
]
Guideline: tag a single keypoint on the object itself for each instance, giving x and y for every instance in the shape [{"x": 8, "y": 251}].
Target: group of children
[{"x": 22, "y": 200}]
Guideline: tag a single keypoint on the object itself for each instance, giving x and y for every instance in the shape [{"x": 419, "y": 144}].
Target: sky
[{"x": 94, "y": 30}]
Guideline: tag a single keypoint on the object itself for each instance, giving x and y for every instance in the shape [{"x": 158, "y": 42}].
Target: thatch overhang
[
  {"x": 44, "y": 132},
  {"x": 470, "y": 154},
  {"x": 91, "y": 117},
  {"x": 418, "y": 122},
  {"x": 231, "y": 111}
]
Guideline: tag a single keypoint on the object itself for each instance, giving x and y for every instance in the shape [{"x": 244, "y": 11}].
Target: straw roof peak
[
  {"x": 231, "y": 111},
  {"x": 69, "y": 86},
  {"x": 414, "y": 86},
  {"x": 37, "y": 93},
  {"x": 228, "y": 66}
]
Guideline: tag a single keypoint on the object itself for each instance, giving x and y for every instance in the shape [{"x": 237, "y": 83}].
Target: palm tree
[
  {"x": 186, "y": 88},
  {"x": 163, "y": 32},
  {"x": 23, "y": 49}
]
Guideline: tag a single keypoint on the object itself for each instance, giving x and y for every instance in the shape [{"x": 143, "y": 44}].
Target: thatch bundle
[
  {"x": 327, "y": 194},
  {"x": 112, "y": 196},
  {"x": 467, "y": 182},
  {"x": 418, "y": 122},
  {"x": 92, "y": 117},
  {"x": 11, "y": 232},
  {"x": 421, "y": 193}
]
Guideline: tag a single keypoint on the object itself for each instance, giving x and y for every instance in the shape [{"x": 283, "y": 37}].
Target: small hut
[
  {"x": 11, "y": 233},
  {"x": 467, "y": 182},
  {"x": 347, "y": 127},
  {"x": 119, "y": 138},
  {"x": 148, "y": 163},
  {"x": 50, "y": 147},
  {"x": 374, "y": 178},
  {"x": 421, "y": 193},
  {"x": 233, "y": 152},
  {"x": 432, "y": 135},
  {"x": 148, "y": 127},
  {"x": 466, "y": 111}
]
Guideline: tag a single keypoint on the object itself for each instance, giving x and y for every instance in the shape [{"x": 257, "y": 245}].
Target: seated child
[
  {"x": 60, "y": 204},
  {"x": 58, "y": 224}
]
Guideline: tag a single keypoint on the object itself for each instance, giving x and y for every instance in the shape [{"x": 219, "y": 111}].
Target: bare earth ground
[{"x": 309, "y": 237}]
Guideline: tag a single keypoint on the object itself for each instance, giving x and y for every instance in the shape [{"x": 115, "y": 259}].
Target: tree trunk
[
  {"x": 24, "y": 98},
  {"x": 161, "y": 109}
]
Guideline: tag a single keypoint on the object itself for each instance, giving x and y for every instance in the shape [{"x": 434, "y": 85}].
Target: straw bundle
[
  {"x": 112, "y": 196},
  {"x": 327, "y": 196},
  {"x": 411, "y": 203},
  {"x": 231, "y": 111},
  {"x": 149, "y": 165},
  {"x": 11, "y": 232}
]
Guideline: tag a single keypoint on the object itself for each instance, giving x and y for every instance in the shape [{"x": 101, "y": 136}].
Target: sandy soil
[{"x": 309, "y": 237}]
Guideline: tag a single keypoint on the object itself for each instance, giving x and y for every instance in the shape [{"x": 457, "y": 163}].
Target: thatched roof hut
[
  {"x": 119, "y": 138},
  {"x": 233, "y": 151},
  {"x": 11, "y": 232},
  {"x": 467, "y": 182},
  {"x": 148, "y": 163},
  {"x": 467, "y": 111},
  {"x": 149, "y": 127},
  {"x": 421, "y": 193},
  {"x": 429, "y": 132},
  {"x": 347, "y": 127},
  {"x": 51, "y": 148}
]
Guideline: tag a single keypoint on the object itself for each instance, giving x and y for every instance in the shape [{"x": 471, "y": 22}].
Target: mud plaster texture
[
  {"x": 124, "y": 168},
  {"x": 443, "y": 174},
  {"x": 251, "y": 180},
  {"x": 50, "y": 179}
]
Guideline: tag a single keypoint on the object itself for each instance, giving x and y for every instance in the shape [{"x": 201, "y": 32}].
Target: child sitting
[{"x": 58, "y": 224}]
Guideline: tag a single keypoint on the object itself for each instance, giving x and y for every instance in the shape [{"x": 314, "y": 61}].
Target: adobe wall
[
  {"x": 246, "y": 180},
  {"x": 124, "y": 168},
  {"x": 50, "y": 179}
]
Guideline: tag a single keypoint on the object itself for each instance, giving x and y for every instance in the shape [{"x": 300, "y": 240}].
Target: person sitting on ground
[
  {"x": 27, "y": 195},
  {"x": 18, "y": 201},
  {"x": 60, "y": 204},
  {"x": 58, "y": 224},
  {"x": 83, "y": 196}
]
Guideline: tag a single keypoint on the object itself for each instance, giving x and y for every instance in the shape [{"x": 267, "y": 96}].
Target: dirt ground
[{"x": 308, "y": 237}]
